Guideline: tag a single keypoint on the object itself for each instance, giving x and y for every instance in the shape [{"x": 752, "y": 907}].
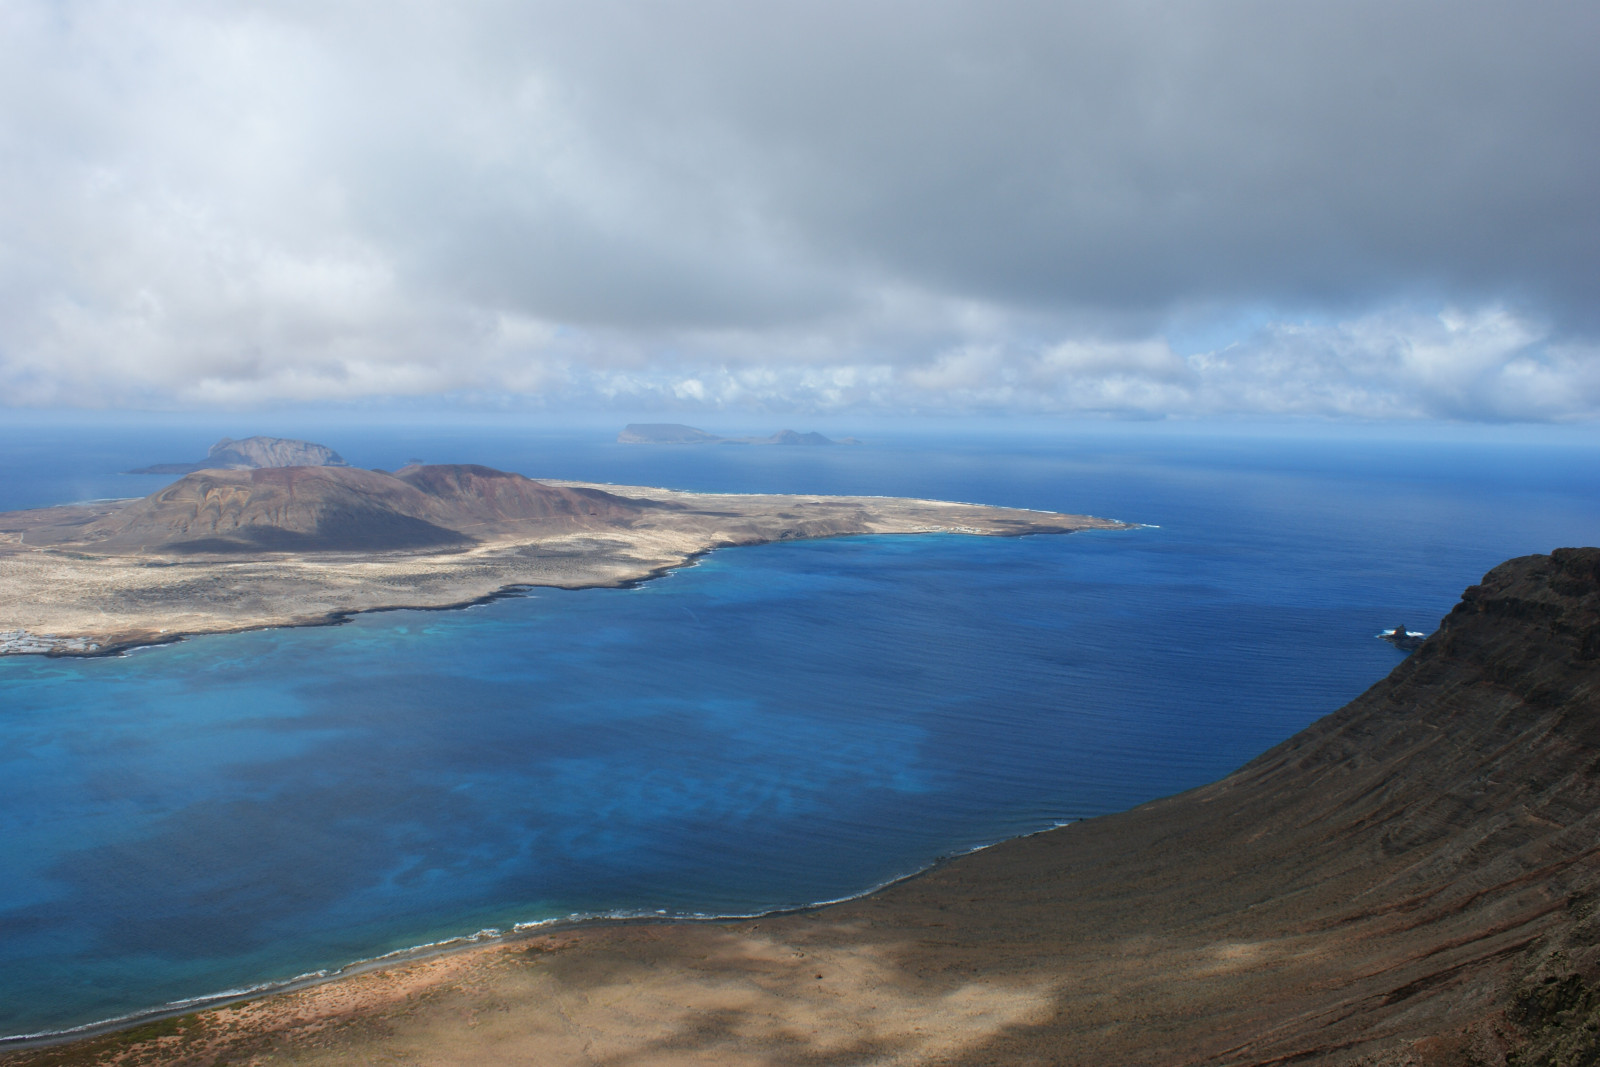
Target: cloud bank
[{"x": 1375, "y": 210}]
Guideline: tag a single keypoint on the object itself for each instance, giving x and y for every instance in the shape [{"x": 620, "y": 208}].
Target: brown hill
[
  {"x": 462, "y": 495},
  {"x": 338, "y": 509}
]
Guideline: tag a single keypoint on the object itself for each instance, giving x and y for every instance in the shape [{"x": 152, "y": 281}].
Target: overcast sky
[{"x": 1372, "y": 210}]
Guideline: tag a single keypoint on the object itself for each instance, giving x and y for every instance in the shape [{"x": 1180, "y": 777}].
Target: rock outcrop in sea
[{"x": 1403, "y": 639}]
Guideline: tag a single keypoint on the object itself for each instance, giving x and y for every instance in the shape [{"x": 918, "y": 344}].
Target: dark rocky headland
[{"x": 1414, "y": 879}]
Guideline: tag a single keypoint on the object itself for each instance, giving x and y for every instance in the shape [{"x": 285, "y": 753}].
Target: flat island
[{"x": 222, "y": 550}]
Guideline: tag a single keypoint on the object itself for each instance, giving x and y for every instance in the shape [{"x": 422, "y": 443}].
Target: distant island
[
  {"x": 270, "y": 545},
  {"x": 673, "y": 433},
  {"x": 253, "y": 453}
]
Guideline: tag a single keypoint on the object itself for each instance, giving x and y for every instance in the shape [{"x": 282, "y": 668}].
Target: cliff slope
[{"x": 1412, "y": 879}]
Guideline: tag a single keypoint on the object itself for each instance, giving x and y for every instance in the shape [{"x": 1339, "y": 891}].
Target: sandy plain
[{"x": 76, "y": 598}]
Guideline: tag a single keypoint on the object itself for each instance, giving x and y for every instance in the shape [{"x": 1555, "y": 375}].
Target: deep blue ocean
[{"x": 774, "y": 726}]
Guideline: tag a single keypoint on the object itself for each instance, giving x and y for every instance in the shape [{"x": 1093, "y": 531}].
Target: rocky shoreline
[{"x": 23, "y": 643}]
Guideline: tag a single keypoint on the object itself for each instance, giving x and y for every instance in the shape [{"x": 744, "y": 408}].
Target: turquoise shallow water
[{"x": 774, "y": 726}]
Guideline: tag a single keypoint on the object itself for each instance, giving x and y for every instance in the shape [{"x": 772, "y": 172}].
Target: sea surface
[{"x": 771, "y": 727}]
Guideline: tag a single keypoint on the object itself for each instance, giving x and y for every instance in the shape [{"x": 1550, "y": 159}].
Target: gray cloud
[{"x": 888, "y": 205}]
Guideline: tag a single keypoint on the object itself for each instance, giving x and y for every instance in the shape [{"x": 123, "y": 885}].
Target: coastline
[
  {"x": 339, "y": 618},
  {"x": 83, "y": 601},
  {"x": 480, "y": 941}
]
